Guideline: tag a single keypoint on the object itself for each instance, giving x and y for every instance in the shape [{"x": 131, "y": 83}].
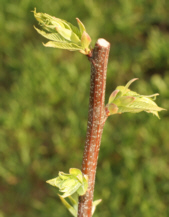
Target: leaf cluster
[
  {"x": 63, "y": 34},
  {"x": 70, "y": 183},
  {"x": 124, "y": 100}
]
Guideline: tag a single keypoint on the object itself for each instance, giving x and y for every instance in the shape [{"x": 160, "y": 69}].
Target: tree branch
[{"x": 96, "y": 120}]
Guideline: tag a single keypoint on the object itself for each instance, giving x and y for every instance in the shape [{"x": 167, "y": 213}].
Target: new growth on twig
[{"x": 64, "y": 35}]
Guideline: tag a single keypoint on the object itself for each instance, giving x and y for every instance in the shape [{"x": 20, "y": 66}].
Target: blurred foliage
[{"x": 44, "y": 104}]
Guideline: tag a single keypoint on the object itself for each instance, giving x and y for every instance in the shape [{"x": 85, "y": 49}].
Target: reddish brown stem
[{"x": 96, "y": 120}]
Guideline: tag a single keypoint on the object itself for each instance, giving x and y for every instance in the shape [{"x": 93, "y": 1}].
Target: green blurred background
[{"x": 44, "y": 105}]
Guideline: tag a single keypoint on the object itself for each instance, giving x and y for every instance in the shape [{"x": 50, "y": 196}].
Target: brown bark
[{"x": 96, "y": 120}]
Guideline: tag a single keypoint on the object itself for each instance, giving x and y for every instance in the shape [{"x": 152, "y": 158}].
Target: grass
[{"x": 44, "y": 102}]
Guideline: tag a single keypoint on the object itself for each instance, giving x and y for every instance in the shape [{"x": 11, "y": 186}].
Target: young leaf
[
  {"x": 81, "y": 26},
  {"x": 75, "y": 172},
  {"x": 94, "y": 204},
  {"x": 62, "y": 45},
  {"x": 68, "y": 206},
  {"x": 63, "y": 34},
  {"x": 124, "y": 100},
  {"x": 68, "y": 34},
  {"x": 70, "y": 183},
  {"x": 85, "y": 40},
  {"x": 74, "y": 201},
  {"x": 113, "y": 96},
  {"x": 51, "y": 36},
  {"x": 69, "y": 190}
]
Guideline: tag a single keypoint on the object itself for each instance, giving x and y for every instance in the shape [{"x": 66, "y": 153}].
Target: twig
[{"x": 96, "y": 120}]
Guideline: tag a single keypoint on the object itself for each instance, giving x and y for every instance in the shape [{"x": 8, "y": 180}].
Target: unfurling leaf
[
  {"x": 61, "y": 45},
  {"x": 81, "y": 26},
  {"x": 85, "y": 41},
  {"x": 71, "y": 203},
  {"x": 94, "y": 204},
  {"x": 63, "y": 34},
  {"x": 124, "y": 100},
  {"x": 72, "y": 208},
  {"x": 70, "y": 183}
]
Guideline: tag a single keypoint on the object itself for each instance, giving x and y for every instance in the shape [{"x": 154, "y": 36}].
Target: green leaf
[
  {"x": 71, "y": 189},
  {"x": 85, "y": 40},
  {"x": 112, "y": 109},
  {"x": 70, "y": 183},
  {"x": 74, "y": 29},
  {"x": 68, "y": 34},
  {"x": 127, "y": 85},
  {"x": 113, "y": 96},
  {"x": 127, "y": 100},
  {"x": 85, "y": 182},
  {"x": 63, "y": 34},
  {"x": 81, "y": 26},
  {"x": 75, "y": 172},
  {"x": 63, "y": 45},
  {"x": 63, "y": 176},
  {"x": 51, "y": 36},
  {"x": 68, "y": 206},
  {"x": 73, "y": 201},
  {"x": 94, "y": 204},
  {"x": 141, "y": 104},
  {"x": 81, "y": 190},
  {"x": 124, "y": 100},
  {"x": 54, "y": 182}
]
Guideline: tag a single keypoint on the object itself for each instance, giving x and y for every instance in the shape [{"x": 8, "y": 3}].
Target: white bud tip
[{"x": 102, "y": 42}]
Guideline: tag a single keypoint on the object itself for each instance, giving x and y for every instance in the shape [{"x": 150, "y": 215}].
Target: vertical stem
[{"x": 96, "y": 120}]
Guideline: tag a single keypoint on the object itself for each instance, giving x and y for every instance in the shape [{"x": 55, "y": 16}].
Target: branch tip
[{"x": 103, "y": 43}]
